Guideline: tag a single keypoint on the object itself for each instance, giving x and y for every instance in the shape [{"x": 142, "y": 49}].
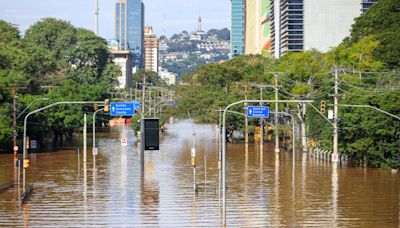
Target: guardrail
[{"x": 326, "y": 155}]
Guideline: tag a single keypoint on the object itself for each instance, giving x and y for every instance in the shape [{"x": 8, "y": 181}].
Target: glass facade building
[
  {"x": 129, "y": 25},
  {"x": 237, "y": 27},
  {"x": 365, "y": 4}
]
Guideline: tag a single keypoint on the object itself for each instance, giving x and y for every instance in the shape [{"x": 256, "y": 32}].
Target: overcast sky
[{"x": 179, "y": 14}]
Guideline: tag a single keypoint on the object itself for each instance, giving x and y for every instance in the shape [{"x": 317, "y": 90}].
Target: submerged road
[{"x": 114, "y": 193}]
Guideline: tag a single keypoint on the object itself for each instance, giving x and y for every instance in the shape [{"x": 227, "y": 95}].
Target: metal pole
[
  {"x": 223, "y": 170},
  {"x": 262, "y": 130},
  {"x": 369, "y": 106},
  {"x": 224, "y": 144},
  {"x": 219, "y": 158},
  {"x": 24, "y": 155},
  {"x": 336, "y": 117},
  {"x": 84, "y": 139},
  {"x": 15, "y": 124},
  {"x": 276, "y": 116},
  {"x": 94, "y": 133},
  {"x": 246, "y": 121},
  {"x": 142, "y": 125}
]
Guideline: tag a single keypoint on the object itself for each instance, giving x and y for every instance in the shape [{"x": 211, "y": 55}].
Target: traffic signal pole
[
  {"x": 336, "y": 119},
  {"x": 94, "y": 149}
]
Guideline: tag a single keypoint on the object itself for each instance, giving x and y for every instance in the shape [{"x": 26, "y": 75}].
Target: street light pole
[
  {"x": 224, "y": 144},
  {"x": 39, "y": 99},
  {"x": 41, "y": 109},
  {"x": 15, "y": 118},
  {"x": 94, "y": 135},
  {"x": 15, "y": 124}
]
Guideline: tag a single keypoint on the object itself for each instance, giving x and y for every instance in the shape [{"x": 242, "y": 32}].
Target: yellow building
[{"x": 150, "y": 50}]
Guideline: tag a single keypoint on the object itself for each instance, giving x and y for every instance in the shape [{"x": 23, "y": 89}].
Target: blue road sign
[
  {"x": 123, "y": 108},
  {"x": 258, "y": 111}
]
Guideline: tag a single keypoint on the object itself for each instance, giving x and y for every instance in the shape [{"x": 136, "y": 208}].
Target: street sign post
[
  {"x": 33, "y": 144},
  {"x": 123, "y": 108},
  {"x": 258, "y": 111}
]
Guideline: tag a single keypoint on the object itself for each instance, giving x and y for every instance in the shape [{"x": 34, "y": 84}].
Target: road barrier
[{"x": 326, "y": 155}]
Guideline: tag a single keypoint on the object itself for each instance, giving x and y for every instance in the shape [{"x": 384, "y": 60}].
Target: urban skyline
[{"x": 165, "y": 18}]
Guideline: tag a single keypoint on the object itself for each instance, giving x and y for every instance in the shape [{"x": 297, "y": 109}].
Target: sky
[{"x": 171, "y": 16}]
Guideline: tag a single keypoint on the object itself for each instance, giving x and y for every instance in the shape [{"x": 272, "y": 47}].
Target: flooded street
[{"x": 114, "y": 193}]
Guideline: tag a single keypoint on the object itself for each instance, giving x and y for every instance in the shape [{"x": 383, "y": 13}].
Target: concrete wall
[{"x": 328, "y": 22}]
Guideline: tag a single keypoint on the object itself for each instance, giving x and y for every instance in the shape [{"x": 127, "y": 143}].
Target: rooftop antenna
[{"x": 96, "y": 13}]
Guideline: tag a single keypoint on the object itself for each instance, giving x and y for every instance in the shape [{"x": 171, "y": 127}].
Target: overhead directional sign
[
  {"x": 123, "y": 108},
  {"x": 258, "y": 111}
]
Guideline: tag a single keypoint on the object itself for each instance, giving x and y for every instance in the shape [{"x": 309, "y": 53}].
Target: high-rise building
[
  {"x": 312, "y": 24},
  {"x": 258, "y": 27},
  {"x": 150, "y": 50},
  {"x": 280, "y": 26},
  {"x": 237, "y": 27},
  {"x": 365, "y": 4},
  {"x": 129, "y": 25}
]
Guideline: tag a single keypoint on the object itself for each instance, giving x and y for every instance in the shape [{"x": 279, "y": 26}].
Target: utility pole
[
  {"x": 14, "y": 89},
  {"x": 336, "y": 117},
  {"x": 276, "y": 116}
]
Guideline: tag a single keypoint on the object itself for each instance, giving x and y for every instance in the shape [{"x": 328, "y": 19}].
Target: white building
[
  {"x": 312, "y": 24},
  {"x": 168, "y": 77},
  {"x": 124, "y": 60}
]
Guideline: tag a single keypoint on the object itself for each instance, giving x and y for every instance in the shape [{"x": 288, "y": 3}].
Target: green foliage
[
  {"x": 222, "y": 34},
  {"x": 54, "y": 53},
  {"x": 58, "y": 51},
  {"x": 382, "y": 21},
  {"x": 151, "y": 77}
]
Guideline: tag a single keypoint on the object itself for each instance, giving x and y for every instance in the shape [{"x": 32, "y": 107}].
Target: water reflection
[{"x": 262, "y": 191}]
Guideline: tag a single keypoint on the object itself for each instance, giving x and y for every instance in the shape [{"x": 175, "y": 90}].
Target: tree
[
  {"x": 221, "y": 34},
  {"x": 305, "y": 73},
  {"x": 151, "y": 77},
  {"x": 12, "y": 64},
  {"x": 59, "y": 51},
  {"x": 382, "y": 22}
]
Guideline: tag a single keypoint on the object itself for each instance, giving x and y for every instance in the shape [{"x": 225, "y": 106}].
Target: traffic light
[
  {"x": 106, "y": 105},
  {"x": 26, "y": 163},
  {"x": 323, "y": 106},
  {"x": 95, "y": 107}
]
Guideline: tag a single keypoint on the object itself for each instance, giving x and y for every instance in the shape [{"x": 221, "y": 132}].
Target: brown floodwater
[{"x": 260, "y": 193}]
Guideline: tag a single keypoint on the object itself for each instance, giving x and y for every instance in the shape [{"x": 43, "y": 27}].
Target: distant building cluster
[
  {"x": 214, "y": 45},
  {"x": 134, "y": 46},
  {"x": 276, "y": 27}
]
